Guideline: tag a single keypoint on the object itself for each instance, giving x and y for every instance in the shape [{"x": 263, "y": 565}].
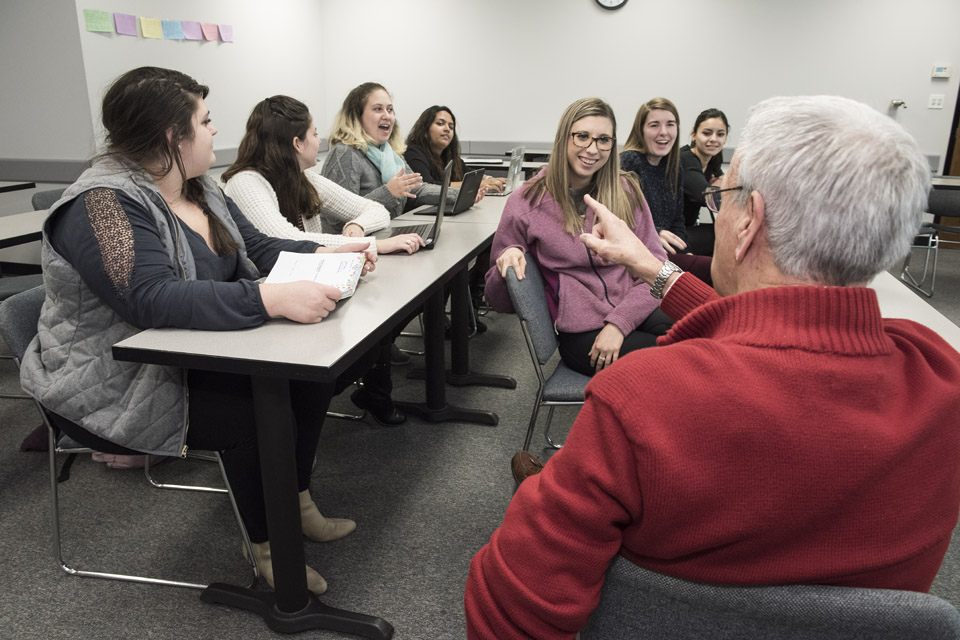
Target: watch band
[{"x": 668, "y": 268}]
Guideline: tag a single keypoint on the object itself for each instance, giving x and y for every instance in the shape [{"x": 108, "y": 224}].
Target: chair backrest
[
  {"x": 530, "y": 302},
  {"x": 19, "y": 316},
  {"x": 944, "y": 202},
  {"x": 45, "y": 199},
  {"x": 638, "y": 603}
]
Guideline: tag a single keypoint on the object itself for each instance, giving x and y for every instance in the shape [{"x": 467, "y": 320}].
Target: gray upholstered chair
[
  {"x": 638, "y": 603},
  {"x": 45, "y": 199},
  {"x": 564, "y": 386},
  {"x": 942, "y": 203},
  {"x": 19, "y": 316}
]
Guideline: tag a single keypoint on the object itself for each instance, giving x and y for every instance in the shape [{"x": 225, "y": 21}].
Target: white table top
[
  {"x": 946, "y": 182},
  {"x": 21, "y": 227},
  {"x": 487, "y": 211},
  {"x": 899, "y": 301},
  {"x": 288, "y": 349}
]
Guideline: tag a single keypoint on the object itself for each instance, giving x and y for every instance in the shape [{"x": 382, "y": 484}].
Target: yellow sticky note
[
  {"x": 151, "y": 27},
  {"x": 97, "y": 20}
]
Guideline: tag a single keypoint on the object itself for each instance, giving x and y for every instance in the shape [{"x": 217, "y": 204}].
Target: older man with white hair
[{"x": 783, "y": 432}]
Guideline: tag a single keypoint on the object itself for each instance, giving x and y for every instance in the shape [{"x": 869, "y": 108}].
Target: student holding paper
[
  {"x": 273, "y": 186},
  {"x": 144, "y": 239},
  {"x": 366, "y": 155}
]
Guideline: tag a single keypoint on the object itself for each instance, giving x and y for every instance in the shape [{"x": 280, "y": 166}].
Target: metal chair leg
[
  {"x": 546, "y": 432},
  {"x": 910, "y": 280}
]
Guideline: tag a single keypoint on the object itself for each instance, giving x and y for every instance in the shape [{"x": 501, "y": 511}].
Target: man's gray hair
[{"x": 843, "y": 186}]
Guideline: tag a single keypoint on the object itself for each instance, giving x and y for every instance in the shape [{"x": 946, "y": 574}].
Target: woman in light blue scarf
[{"x": 365, "y": 155}]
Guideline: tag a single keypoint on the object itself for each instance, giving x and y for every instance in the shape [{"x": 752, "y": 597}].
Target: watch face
[{"x": 611, "y": 4}]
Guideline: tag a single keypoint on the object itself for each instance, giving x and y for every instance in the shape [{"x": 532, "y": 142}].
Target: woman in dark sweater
[
  {"x": 651, "y": 152},
  {"x": 433, "y": 142},
  {"x": 700, "y": 163}
]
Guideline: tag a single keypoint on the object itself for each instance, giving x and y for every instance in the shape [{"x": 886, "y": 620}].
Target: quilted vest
[{"x": 69, "y": 367}]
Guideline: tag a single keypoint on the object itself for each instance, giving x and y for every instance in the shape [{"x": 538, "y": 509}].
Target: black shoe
[
  {"x": 481, "y": 327},
  {"x": 386, "y": 416},
  {"x": 398, "y": 357}
]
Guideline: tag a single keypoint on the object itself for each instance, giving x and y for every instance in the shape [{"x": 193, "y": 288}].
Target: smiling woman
[
  {"x": 365, "y": 155},
  {"x": 599, "y": 310}
]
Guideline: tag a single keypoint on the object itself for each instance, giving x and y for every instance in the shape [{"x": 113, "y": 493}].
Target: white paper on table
[{"x": 340, "y": 270}]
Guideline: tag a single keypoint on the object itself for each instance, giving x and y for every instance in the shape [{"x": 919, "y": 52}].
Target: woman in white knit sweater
[{"x": 273, "y": 186}]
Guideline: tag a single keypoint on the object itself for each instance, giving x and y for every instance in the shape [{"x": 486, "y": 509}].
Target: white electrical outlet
[{"x": 936, "y": 101}]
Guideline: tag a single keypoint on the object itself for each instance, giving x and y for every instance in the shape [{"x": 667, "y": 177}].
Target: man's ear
[{"x": 749, "y": 225}]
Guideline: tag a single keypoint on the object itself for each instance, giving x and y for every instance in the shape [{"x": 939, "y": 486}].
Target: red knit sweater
[{"x": 785, "y": 435}]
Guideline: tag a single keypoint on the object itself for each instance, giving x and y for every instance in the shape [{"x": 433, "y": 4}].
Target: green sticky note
[{"x": 97, "y": 20}]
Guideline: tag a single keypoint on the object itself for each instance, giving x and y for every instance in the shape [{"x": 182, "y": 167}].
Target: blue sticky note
[{"x": 173, "y": 30}]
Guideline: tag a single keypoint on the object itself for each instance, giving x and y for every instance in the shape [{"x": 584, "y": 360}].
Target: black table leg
[
  {"x": 290, "y": 608},
  {"x": 436, "y": 409}
]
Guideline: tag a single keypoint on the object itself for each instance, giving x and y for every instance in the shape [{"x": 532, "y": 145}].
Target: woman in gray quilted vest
[{"x": 145, "y": 239}]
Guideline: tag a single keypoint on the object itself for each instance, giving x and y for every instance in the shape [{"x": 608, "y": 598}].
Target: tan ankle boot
[
  {"x": 318, "y": 528},
  {"x": 261, "y": 555}
]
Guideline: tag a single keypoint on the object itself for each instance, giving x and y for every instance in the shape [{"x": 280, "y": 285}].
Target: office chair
[
  {"x": 19, "y": 316},
  {"x": 942, "y": 203},
  {"x": 564, "y": 386},
  {"x": 45, "y": 199},
  {"x": 639, "y": 603}
]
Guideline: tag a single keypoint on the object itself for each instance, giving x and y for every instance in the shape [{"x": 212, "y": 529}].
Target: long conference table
[{"x": 280, "y": 350}]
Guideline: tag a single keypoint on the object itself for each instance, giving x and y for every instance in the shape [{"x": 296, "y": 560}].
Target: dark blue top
[
  {"x": 130, "y": 269},
  {"x": 666, "y": 205}
]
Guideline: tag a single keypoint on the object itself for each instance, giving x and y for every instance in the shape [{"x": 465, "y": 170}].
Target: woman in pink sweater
[{"x": 599, "y": 310}]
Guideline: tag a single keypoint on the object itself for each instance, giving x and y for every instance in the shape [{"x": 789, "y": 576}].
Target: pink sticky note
[
  {"x": 192, "y": 30},
  {"x": 226, "y": 32},
  {"x": 209, "y": 31},
  {"x": 126, "y": 24}
]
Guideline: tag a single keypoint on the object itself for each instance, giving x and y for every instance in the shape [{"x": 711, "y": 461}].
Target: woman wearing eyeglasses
[
  {"x": 600, "y": 312},
  {"x": 700, "y": 164}
]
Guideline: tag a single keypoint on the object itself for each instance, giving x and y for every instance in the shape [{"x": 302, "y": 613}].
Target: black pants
[{"x": 575, "y": 347}]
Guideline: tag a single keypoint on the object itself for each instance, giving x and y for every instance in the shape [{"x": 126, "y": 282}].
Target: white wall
[
  {"x": 543, "y": 54},
  {"x": 272, "y": 53},
  {"x": 43, "y": 100},
  {"x": 698, "y": 53}
]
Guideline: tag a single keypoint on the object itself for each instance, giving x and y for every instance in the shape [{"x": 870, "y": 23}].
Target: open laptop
[
  {"x": 429, "y": 232},
  {"x": 514, "y": 173},
  {"x": 465, "y": 199}
]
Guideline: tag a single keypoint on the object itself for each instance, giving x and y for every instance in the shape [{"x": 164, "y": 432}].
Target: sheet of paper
[
  {"x": 226, "y": 32},
  {"x": 210, "y": 31},
  {"x": 126, "y": 24},
  {"x": 151, "y": 27},
  {"x": 96, "y": 20},
  {"x": 340, "y": 270},
  {"x": 192, "y": 30},
  {"x": 173, "y": 30}
]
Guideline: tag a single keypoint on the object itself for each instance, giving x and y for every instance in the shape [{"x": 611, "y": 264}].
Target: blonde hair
[
  {"x": 607, "y": 184},
  {"x": 636, "y": 142},
  {"x": 348, "y": 126}
]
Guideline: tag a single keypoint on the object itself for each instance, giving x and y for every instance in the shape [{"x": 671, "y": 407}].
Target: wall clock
[{"x": 611, "y": 4}]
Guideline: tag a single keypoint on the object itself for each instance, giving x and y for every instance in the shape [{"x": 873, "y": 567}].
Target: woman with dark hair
[
  {"x": 274, "y": 188},
  {"x": 599, "y": 310},
  {"x": 651, "y": 153},
  {"x": 433, "y": 142},
  {"x": 700, "y": 162},
  {"x": 366, "y": 155},
  {"x": 144, "y": 239}
]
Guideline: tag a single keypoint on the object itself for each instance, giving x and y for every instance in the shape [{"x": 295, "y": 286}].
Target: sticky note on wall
[
  {"x": 226, "y": 32},
  {"x": 209, "y": 31},
  {"x": 126, "y": 24},
  {"x": 192, "y": 30},
  {"x": 151, "y": 27},
  {"x": 96, "y": 20},
  {"x": 173, "y": 30}
]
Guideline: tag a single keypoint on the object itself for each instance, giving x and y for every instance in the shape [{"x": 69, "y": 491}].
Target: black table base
[{"x": 315, "y": 615}]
